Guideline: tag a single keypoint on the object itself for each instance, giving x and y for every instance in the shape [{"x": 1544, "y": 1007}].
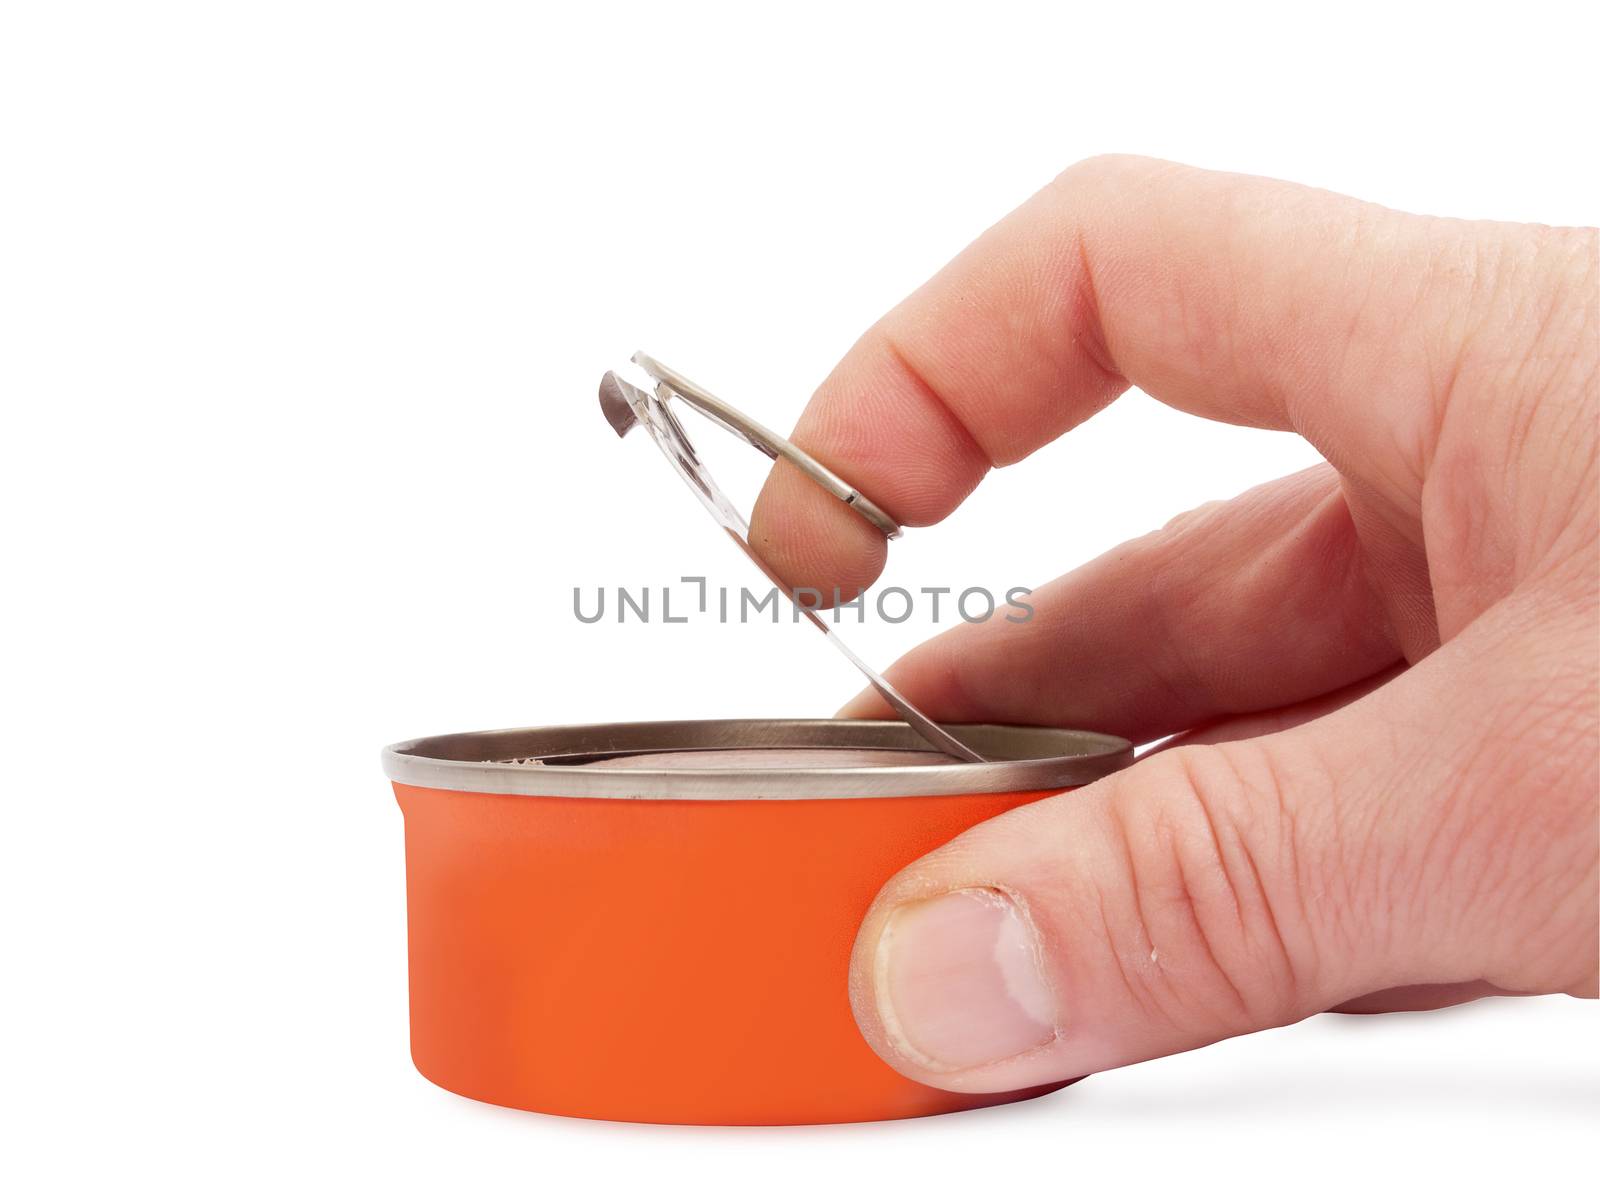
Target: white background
[{"x": 302, "y": 308}]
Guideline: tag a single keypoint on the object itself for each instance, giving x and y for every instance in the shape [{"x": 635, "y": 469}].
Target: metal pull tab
[{"x": 626, "y": 405}]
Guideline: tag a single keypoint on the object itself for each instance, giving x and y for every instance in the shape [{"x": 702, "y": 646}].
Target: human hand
[{"x": 1384, "y": 669}]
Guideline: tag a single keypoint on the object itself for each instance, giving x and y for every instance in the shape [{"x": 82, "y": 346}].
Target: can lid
[
  {"x": 626, "y": 406},
  {"x": 592, "y": 760}
]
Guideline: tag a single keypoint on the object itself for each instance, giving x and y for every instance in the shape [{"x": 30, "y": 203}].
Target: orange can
[{"x": 653, "y": 922}]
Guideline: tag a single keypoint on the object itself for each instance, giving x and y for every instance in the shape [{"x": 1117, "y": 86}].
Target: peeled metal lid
[
  {"x": 626, "y": 406},
  {"x": 593, "y": 760}
]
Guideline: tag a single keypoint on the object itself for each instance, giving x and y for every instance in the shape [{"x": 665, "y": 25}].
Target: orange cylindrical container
[{"x": 599, "y": 934}]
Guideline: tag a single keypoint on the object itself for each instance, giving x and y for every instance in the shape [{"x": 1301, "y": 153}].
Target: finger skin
[
  {"x": 1421, "y": 997},
  {"x": 1415, "y": 998},
  {"x": 1259, "y": 724},
  {"x": 1215, "y": 890},
  {"x": 1252, "y": 604},
  {"x": 1246, "y": 300}
]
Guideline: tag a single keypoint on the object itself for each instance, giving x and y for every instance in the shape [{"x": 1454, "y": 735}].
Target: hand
[{"x": 1384, "y": 669}]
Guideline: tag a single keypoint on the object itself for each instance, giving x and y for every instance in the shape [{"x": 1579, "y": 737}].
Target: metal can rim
[{"x": 1025, "y": 758}]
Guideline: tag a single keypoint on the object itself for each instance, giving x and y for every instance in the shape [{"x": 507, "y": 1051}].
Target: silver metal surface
[
  {"x": 626, "y": 405},
  {"x": 773, "y": 445},
  {"x": 591, "y": 761}
]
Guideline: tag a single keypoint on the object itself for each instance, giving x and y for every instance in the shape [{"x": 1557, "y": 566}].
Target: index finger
[{"x": 1240, "y": 299}]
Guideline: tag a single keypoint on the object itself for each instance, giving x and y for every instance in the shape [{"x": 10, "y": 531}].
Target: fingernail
[{"x": 959, "y": 981}]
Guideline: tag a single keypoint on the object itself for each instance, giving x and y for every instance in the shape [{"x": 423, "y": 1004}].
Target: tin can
[{"x": 630, "y": 922}]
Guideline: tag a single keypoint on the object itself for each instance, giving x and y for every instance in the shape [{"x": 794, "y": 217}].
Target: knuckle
[
  {"x": 1517, "y": 322},
  {"x": 1200, "y": 518},
  {"x": 1208, "y": 942}
]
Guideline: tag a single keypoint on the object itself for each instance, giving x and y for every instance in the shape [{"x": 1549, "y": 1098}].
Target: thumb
[
  {"x": 1212, "y": 890},
  {"x": 1159, "y": 910}
]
